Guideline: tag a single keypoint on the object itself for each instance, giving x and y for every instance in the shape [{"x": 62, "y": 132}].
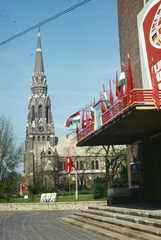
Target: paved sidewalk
[{"x": 42, "y": 225}]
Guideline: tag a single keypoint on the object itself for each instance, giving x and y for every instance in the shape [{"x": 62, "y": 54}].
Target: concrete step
[
  {"x": 149, "y": 213},
  {"x": 94, "y": 229},
  {"x": 116, "y": 222},
  {"x": 126, "y": 217},
  {"x": 109, "y": 230},
  {"x": 119, "y": 223}
]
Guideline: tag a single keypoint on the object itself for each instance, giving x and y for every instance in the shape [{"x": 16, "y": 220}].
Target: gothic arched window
[
  {"x": 92, "y": 164},
  {"x": 40, "y": 111},
  {"x": 33, "y": 112},
  {"x": 48, "y": 138},
  {"x": 77, "y": 165},
  {"x": 47, "y": 114},
  {"x": 43, "y": 138},
  {"x": 38, "y": 138},
  {"x": 34, "y": 139},
  {"x": 97, "y": 165}
]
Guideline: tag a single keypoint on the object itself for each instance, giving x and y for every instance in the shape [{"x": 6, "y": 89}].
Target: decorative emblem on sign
[{"x": 155, "y": 30}]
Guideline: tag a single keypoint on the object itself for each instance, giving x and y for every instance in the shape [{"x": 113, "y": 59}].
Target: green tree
[
  {"x": 99, "y": 188},
  {"x": 113, "y": 156},
  {"x": 10, "y": 185},
  {"x": 10, "y": 154}
]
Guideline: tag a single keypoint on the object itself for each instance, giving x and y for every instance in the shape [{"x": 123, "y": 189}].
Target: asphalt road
[{"x": 40, "y": 225}]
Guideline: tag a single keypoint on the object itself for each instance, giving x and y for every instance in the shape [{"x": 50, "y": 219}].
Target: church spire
[{"x": 39, "y": 66}]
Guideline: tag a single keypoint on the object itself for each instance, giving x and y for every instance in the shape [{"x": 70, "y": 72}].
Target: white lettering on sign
[{"x": 157, "y": 70}]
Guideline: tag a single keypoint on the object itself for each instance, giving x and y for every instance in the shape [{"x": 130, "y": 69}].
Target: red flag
[
  {"x": 69, "y": 164},
  {"x": 130, "y": 82},
  {"x": 117, "y": 89},
  {"x": 83, "y": 119},
  {"x": 103, "y": 108},
  {"x": 155, "y": 90},
  {"x": 111, "y": 94},
  {"x": 91, "y": 112}
]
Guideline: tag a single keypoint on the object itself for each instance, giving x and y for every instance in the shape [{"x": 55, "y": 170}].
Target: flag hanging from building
[
  {"x": 121, "y": 83},
  {"x": 155, "y": 89},
  {"x": 74, "y": 118},
  {"x": 117, "y": 89},
  {"x": 105, "y": 95},
  {"x": 103, "y": 108},
  {"x": 69, "y": 164},
  {"x": 83, "y": 119},
  {"x": 92, "y": 112},
  {"x": 111, "y": 94},
  {"x": 130, "y": 82}
]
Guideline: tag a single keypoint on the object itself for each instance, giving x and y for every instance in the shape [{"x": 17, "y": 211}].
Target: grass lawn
[{"x": 36, "y": 199}]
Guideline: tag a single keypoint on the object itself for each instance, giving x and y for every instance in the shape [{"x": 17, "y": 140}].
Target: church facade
[
  {"x": 44, "y": 158},
  {"x": 40, "y": 152}
]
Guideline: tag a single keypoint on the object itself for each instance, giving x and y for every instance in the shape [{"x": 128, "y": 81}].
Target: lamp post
[{"x": 76, "y": 183}]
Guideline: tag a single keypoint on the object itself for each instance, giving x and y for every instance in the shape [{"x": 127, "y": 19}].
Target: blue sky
[{"x": 80, "y": 51}]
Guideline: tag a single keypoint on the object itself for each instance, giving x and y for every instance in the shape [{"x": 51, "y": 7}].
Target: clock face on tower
[{"x": 41, "y": 128}]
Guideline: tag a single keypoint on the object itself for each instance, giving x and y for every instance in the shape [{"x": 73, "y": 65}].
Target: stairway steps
[
  {"x": 119, "y": 223},
  {"x": 125, "y": 217},
  {"x": 127, "y": 211},
  {"x": 94, "y": 229},
  {"x": 128, "y": 225}
]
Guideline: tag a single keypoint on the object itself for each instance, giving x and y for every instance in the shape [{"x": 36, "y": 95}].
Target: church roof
[{"x": 39, "y": 66}]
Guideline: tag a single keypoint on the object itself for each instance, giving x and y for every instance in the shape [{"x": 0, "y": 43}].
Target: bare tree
[
  {"x": 113, "y": 156},
  {"x": 10, "y": 154}
]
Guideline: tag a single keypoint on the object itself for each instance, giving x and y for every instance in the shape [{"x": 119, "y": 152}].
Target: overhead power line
[{"x": 44, "y": 22}]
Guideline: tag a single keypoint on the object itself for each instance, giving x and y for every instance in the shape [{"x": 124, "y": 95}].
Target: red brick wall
[{"x": 128, "y": 34}]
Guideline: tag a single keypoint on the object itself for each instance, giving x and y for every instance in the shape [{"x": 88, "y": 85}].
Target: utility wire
[{"x": 44, "y": 22}]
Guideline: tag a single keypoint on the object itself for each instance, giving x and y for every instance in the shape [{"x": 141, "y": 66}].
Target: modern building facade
[{"x": 136, "y": 123}]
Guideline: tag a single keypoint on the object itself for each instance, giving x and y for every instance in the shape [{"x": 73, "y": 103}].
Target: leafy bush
[
  {"x": 99, "y": 188},
  {"x": 121, "y": 180}
]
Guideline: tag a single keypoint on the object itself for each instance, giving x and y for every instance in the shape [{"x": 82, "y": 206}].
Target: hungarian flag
[
  {"x": 105, "y": 95},
  {"x": 121, "y": 83},
  {"x": 117, "y": 89},
  {"x": 111, "y": 94},
  {"x": 74, "y": 118},
  {"x": 69, "y": 164},
  {"x": 155, "y": 89},
  {"x": 103, "y": 108},
  {"x": 130, "y": 82}
]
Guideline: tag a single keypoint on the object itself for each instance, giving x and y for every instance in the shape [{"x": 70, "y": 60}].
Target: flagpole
[
  {"x": 76, "y": 183},
  {"x": 69, "y": 182}
]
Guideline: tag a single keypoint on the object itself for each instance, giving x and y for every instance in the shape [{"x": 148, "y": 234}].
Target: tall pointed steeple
[{"x": 39, "y": 66}]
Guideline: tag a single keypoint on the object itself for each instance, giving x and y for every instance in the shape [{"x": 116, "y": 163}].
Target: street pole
[{"x": 76, "y": 183}]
